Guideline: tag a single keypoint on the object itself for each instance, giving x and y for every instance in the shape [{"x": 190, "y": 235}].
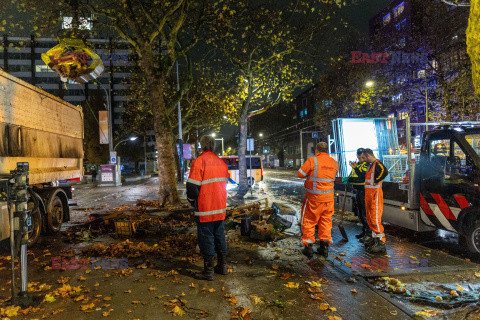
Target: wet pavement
[{"x": 273, "y": 280}]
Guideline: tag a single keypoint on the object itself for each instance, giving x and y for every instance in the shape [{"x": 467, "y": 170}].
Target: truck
[
  {"x": 434, "y": 181},
  {"x": 46, "y": 132}
]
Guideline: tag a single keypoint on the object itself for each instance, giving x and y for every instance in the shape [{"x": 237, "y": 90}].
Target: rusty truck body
[{"x": 47, "y": 132}]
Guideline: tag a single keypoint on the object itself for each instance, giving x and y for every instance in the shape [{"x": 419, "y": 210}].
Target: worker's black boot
[
  {"x": 308, "y": 251},
  {"x": 360, "y": 235},
  {"x": 221, "y": 267},
  {"x": 378, "y": 247},
  {"x": 323, "y": 249},
  {"x": 208, "y": 269},
  {"x": 367, "y": 240}
]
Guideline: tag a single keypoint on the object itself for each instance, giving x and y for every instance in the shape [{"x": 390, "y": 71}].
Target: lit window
[
  {"x": 387, "y": 19},
  {"x": 398, "y": 9},
  {"x": 43, "y": 68},
  {"x": 84, "y": 23}
]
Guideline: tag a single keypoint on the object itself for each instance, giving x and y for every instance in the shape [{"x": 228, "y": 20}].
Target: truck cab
[{"x": 447, "y": 179}]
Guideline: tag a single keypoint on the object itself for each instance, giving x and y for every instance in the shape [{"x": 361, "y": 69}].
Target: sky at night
[{"x": 357, "y": 14}]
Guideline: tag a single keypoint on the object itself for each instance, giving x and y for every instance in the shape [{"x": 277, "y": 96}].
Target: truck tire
[
  {"x": 472, "y": 237},
  {"x": 57, "y": 205}
]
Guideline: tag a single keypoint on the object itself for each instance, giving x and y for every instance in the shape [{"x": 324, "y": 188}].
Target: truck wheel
[
  {"x": 35, "y": 229},
  {"x": 55, "y": 210},
  {"x": 472, "y": 237}
]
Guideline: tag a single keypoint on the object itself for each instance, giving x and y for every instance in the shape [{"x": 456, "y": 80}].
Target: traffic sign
[
  {"x": 315, "y": 135},
  {"x": 250, "y": 145},
  {"x": 113, "y": 157}
]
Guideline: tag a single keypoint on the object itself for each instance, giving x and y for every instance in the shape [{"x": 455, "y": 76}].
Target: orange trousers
[
  {"x": 374, "y": 208},
  {"x": 316, "y": 213}
]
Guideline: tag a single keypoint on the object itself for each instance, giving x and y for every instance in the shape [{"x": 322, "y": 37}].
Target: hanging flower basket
[{"x": 73, "y": 60}]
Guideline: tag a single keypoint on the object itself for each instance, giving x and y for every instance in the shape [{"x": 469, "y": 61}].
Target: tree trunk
[
  {"x": 242, "y": 161},
  {"x": 167, "y": 191}
]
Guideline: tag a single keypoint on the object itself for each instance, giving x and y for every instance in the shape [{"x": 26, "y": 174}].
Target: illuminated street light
[
  {"x": 229, "y": 148},
  {"x": 369, "y": 84},
  {"x": 129, "y": 139},
  {"x": 214, "y": 134},
  {"x": 260, "y": 134}
]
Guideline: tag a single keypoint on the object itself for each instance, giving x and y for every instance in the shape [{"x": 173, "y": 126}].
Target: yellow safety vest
[{"x": 363, "y": 168}]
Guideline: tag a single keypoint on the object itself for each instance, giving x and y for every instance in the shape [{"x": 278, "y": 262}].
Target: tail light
[
  {"x": 261, "y": 173},
  {"x": 72, "y": 189}
]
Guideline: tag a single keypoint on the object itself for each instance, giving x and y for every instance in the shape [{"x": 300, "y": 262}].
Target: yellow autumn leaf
[
  {"x": 177, "y": 311},
  {"x": 438, "y": 298},
  {"x": 86, "y": 307},
  {"x": 255, "y": 299},
  {"x": 324, "y": 306},
  {"x": 10, "y": 311},
  {"x": 460, "y": 288},
  {"x": 49, "y": 298},
  {"x": 292, "y": 285},
  {"x": 211, "y": 290}
]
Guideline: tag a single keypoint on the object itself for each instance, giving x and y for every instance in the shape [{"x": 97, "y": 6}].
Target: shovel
[{"x": 340, "y": 225}]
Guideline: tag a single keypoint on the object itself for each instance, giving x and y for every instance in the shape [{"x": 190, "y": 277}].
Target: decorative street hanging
[{"x": 73, "y": 60}]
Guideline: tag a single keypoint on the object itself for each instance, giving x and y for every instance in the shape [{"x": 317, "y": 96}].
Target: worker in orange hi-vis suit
[
  {"x": 376, "y": 173},
  {"x": 318, "y": 205}
]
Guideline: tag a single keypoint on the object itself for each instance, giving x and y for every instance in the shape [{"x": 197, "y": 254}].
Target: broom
[{"x": 340, "y": 225}]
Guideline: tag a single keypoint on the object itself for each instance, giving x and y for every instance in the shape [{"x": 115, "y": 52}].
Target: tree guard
[
  {"x": 73, "y": 60},
  {"x": 473, "y": 42}
]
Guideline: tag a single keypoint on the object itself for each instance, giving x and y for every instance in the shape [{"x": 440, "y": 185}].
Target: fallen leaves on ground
[
  {"x": 10, "y": 311},
  {"x": 241, "y": 313},
  {"x": 87, "y": 307},
  {"x": 293, "y": 285},
  {"x": 354, "y": 291},
  {"x": 255, "y": 299},
  {"x": 177, "y": 311},
  {"x": 427, "y": 313},
  {"x": 232, "y": 300}
]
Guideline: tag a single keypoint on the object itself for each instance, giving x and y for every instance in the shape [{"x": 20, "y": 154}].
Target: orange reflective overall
[
  {"x": 374, "y": 203},
  {"x": 318, "y": 205}
]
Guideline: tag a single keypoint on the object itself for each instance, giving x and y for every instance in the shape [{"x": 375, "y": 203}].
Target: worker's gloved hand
[{"x": 345, "y": 180}]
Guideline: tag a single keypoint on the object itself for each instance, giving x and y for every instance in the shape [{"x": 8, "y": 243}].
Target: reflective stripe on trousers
[{"x": 319, "y": 191}]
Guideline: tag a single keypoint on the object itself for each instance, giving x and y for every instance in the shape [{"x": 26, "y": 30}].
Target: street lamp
[
  {"x": 129, "y": 139},
  {"x": 214, "y": 134},
  {"x": 369, "y": 84},
  {"x": 260, "y": 135}
]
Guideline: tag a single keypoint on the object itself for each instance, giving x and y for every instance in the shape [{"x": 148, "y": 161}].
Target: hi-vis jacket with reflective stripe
[
  {"x": 376, "y": 172},
  {"x": 320, "y": 172},
  {"x": 207, "y": 184}
]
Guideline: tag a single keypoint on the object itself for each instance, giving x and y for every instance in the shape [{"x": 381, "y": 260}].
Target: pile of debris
[
  {"x": 263, "y": 224},
  {"x": 255, "y": 220}
]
